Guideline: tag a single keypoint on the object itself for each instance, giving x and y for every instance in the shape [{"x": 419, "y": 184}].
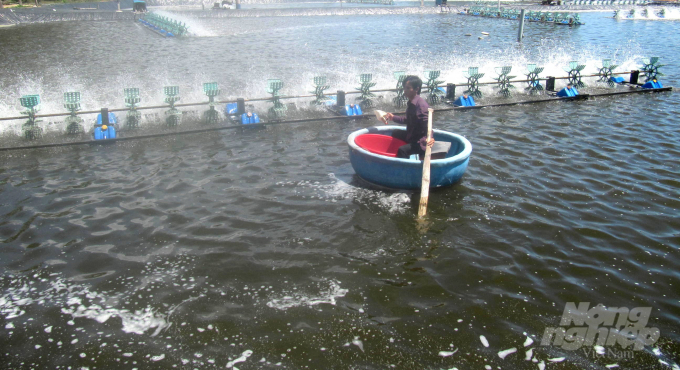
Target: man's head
[{"x": 412, "y": 86}]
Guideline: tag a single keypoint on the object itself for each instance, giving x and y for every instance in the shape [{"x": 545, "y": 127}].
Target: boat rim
[{"x": 464, "y": 154}]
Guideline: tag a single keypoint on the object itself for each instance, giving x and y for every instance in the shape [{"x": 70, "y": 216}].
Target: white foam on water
[
  {"x": 556, "y": 359},
  {"x": 158, "y": 358},
  {"x": 503, "y": 354},
  {"x": 484, "y": 341},
  {"x": 338, "y": 190},
  {"x": 357, "y": 342},
  {"x": 297, "y": 299},
  {"x": 447, "y": 353},
  {"x": 395, "y": 203},
  {"x": 137, "y": 322},
  {"x": 10, "y": 307},
  {"x": 244, "y": 356},
  {"x": 78, "y": 302},
  {"x": 528, "y": 342},
  {"x": 529, "y": 354}
]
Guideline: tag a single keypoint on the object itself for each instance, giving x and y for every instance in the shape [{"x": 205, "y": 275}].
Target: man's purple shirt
[{"x": 415, "y": 119}]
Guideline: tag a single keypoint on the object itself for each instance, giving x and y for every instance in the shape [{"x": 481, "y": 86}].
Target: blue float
[
  {"x": 110, "y": 132},
  {"x": 249, "y": 118},
  {"x": 398, "y": 173},
  {"x": 231, "y": 109},
  {"x": 567, "y": 92},
  {"x": 654, "y": 84},
  {"x": 332, "y": 100},
  {"x": 100, "y": 134},
  {"x": 353, "y": 110},
  {"x": 464, "y": 101},
  {"x": 617, "y": 80}
]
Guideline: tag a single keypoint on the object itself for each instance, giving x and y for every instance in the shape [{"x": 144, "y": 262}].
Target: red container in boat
[{"x": 379, "y": 144}]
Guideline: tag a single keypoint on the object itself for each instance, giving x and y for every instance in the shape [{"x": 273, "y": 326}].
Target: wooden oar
[{"x": 425, "y": 187}]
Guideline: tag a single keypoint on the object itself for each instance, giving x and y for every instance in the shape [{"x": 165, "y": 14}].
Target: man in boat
[{"x": 416, "y": 120}]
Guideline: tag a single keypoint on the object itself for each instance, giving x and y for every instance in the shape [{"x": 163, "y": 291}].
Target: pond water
[{"x": 259, "y": 248}]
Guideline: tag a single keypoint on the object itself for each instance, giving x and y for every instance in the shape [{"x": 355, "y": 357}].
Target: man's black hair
[{"x": 415, "y": 81}]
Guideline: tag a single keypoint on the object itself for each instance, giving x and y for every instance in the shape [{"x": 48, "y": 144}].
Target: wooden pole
[
  {"x": 521, "y": 26},
  {"x": 425, "y": 187}
]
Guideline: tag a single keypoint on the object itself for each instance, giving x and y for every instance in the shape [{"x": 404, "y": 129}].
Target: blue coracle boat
[{"x": 400, "y": 173}]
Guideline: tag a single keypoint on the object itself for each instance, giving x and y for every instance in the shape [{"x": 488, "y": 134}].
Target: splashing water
[
  {"x": 195, "y": 28},
  {"x": 77, "y": 301},
  {"x": 649, "y": 13},
  {"x": 297, "y": 299}
]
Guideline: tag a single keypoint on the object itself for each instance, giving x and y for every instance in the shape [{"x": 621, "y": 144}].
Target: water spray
[
  {"x": 434, "y": 93},
  {"x": 607, "y": 72},
  {"x": 400, "y": 99},
  {"x": 131, "y": 100},
  {"x": 211, "y": 116},
  {"x": 574, "y": 69},
  {"x": 279, "y": 110},
  {"x": 365, "y": 89},
  {"x": 533, "y": 81},
  {"x": 72, "y": 104},
  {"x": 165, "y": 26},
  {"x": 171, "y": 97},
  {"x": 561, "y": 18},
  {"x": 320, "y": 86},
  {"x": 503, "y": 80},
  {"x": 473, "y": 77},
  {"x": 31, "y": 130}
]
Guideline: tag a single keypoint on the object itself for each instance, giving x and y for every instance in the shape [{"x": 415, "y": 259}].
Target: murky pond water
[{"x": 259, "y": 248}]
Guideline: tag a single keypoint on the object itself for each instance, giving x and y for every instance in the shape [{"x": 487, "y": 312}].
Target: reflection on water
[{"x": 261, "y": 249}]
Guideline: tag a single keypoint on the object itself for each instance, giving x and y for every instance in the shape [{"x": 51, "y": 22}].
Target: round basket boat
[{"x": 378, "y": 165}]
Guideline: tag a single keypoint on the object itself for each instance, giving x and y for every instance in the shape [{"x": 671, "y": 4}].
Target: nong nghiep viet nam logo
[{"x": 602, "y": 326}]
